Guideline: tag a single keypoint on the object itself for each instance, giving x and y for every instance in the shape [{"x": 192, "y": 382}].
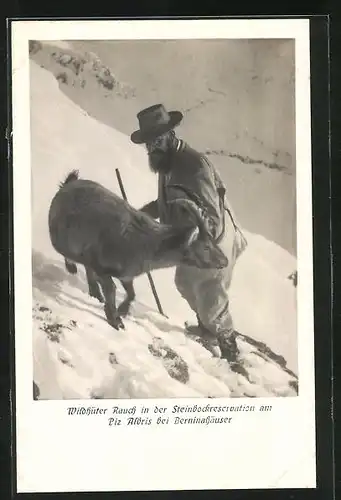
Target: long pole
[{"x": 151, "y": 281}]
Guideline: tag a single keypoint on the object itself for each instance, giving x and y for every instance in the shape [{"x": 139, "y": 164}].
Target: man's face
[
  {"x": 158, "y": 145},
  {"x": 158, "y": 150}
]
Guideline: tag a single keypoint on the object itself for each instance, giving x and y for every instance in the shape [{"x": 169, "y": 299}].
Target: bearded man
[{"x": 185, "y": 173}]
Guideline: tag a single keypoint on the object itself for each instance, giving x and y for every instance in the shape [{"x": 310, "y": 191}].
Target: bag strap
[{"x": 221, "y": 191}]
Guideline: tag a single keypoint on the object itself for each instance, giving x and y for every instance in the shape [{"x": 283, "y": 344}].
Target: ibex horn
[{"x": 193, "y": 208}]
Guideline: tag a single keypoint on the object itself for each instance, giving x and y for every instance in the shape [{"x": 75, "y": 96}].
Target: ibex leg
[
  {"x": 94, "y": 288},
  {"x": 109, "y": 291},
  {"x": 125, "y": 305}
]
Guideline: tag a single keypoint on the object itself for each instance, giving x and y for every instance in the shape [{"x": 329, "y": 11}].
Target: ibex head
[{"x": 199, "y": 249}]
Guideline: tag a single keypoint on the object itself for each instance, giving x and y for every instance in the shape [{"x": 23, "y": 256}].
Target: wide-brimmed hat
[{"x": 155, "y": 121}]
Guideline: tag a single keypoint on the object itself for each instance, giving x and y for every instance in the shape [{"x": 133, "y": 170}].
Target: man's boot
[
  {"x": 204, "y": 337},
  {"x": 194, "y": 328},
  {"x": 229, "y": 348},
  {"x": 230, "y": 352}
]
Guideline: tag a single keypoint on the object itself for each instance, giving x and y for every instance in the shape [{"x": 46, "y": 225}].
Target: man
[{"x": 183, "y": 172}]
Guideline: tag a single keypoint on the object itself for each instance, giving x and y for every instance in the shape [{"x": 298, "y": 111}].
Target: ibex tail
[{"x": 71, "y": 176}]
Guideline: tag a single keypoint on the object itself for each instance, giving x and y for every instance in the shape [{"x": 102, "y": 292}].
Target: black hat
[{"x": 155, "y": 121}]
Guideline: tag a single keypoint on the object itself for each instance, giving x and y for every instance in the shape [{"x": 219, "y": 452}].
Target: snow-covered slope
[{"x": 76, "y": 353}]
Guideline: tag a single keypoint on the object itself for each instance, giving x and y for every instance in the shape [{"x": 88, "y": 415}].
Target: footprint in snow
[
  {"x": 44, "y": 309},
  {"x": 113, "y": 358},
  {"x": 175, "y": 365},
  {"x": 64, "y": 360},
  {"x": 51, "y": 326}
]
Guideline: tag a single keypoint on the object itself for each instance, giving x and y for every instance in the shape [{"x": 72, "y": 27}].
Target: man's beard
[{"x": 159, "y": 161}]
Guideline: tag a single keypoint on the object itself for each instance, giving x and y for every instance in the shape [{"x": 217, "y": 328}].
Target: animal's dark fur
[{"x": 71, "y": 176}]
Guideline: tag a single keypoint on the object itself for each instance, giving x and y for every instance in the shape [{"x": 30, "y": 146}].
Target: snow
[{"x": 76, "y": 353}]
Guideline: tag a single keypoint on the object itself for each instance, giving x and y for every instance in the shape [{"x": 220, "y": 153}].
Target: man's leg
[
  {"x": 187, "y": 280},
  {"x": 212, "y": 300},
  {"x": 213, "y": 308},
  {"x": 204, "y": 292},
  {"x": 207, "y": 293},
  {"x": 184, "y": 276}
]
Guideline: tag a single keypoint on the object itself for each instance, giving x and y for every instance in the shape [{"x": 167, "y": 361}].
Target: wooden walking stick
[{"x": 151, "y": 281}]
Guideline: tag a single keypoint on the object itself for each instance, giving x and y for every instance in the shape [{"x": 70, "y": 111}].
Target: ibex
[{"x": 92, "y": 226}]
